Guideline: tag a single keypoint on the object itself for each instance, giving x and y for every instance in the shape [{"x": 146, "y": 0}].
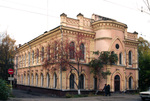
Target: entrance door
[{"x": 117, "y": 83}]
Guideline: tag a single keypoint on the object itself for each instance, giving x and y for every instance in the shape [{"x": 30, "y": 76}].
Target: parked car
[{"x": 145, "y": 95}]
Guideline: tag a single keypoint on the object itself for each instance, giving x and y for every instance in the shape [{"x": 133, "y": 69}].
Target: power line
[
  {"x": 28, "y": 11},
  {"x": 24, "y": 4},
  {"x": 120, "y": 5}
]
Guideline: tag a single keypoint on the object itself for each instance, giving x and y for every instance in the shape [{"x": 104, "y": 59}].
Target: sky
[{"x": 24, "y": 20}]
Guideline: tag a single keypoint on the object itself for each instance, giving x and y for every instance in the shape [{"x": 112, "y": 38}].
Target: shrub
[
  {"x": 68, "y": 95},
  {"x": 4, "y": 90}
]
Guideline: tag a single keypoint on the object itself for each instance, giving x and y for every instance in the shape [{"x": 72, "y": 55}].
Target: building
[{"x": 87, "y": 35}]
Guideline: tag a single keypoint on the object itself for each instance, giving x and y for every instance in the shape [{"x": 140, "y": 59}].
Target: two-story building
[{"x": 85, "y": 35}]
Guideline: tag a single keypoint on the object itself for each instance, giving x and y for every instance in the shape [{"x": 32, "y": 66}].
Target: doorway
[{"x": 117, "y": 83}]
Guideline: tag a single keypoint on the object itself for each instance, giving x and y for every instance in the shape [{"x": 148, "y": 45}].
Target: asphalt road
[{"x": 21, "y": 95}]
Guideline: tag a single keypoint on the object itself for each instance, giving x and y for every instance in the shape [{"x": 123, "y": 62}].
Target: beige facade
[{"x": 98, "y": 33}]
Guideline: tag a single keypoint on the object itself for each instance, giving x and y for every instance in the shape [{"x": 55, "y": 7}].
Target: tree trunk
[{"x": 79, "y": 92}]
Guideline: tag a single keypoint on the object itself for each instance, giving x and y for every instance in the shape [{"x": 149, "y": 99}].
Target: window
[
  {"x": 48, "y": 80},
  {"x": 28, "y": 79},
  {"x": 32, "y": 57},
  {"x": 120, "y": 59},
  {"x": 22, "y": 61},
  {"x": 37, "y": 55},
  {"x": 32, "y": 79},
  {"x": 48, "y": 52},
  {"x": 56, "y": 50},
  {"x": 25, "y": 60},
  {"x": 17, "y": 62},
  {"x": 95, "y": 83},
  {"x": 36, "y": 78},
  {"x": 29, "y": 58},
  {"x": 24, "y": 79},
  {"x": 42, "y": 55},
  {"x": 42, "y": 79},
  {"x": 72, "y": 50},
  {"x": 55, "y": 80},
  {"x": 130, "y": 58},
  {"x": 21, "y": 79},
  {"x": 130, "y": 82},
  {"x": 81, "y": 81},
  {"x": 117, "y": 46},
  {"x": 72, "y": 78},
  {"x": 82, "y": 51},
  {"x": 112, "y": 53}
]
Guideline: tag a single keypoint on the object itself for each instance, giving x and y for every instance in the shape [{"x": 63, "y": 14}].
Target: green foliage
[
  {"x": 97, "y": 64},
  {"x": 104, "y": 58},
  {"x": 144, "y": 63},
  {"x": 7, "y": 46},
  {"x": 4, "y": 90},
  {"x": 68, "y": 95}
]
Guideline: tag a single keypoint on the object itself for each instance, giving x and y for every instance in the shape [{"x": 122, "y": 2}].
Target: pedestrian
[
  {"x": 104, "y": 89},
  {"x": 108, "y": 89}
]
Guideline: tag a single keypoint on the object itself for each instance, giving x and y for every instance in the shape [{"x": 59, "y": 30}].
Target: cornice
[
  {"x": 75, "y": 31},
  {"x": 53, "y": 32},
  {"x": 109, "y": 25},
  {"x": 39, "y": 38},
  {"x": 101, "y": 38},
  {"x": 131, "y": 42}
]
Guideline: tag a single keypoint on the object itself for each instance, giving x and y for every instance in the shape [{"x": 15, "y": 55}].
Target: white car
[{"x": 145, "y": 95}]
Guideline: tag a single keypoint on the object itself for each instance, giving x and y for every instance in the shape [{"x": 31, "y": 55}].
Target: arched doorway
[{"x": 117, "y": 83}]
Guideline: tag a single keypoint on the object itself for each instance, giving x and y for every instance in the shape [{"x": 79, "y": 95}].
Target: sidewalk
[{"x": 21, "y": 95}]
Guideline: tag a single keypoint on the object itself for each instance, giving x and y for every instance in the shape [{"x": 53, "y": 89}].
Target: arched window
[
  {"x": 48, "y": 52},
  {"x": 81, "y": 81},
  {"x": 95, "y": 83},
  {"x": 29, "y": 58},
  {"x": 112, "y": 52},
  {"x": 28, "y": 79},
  {"x": 82, "y": 51},
  {"x": 22, "y": 61},
  {"x": 72, "y": 50},
  {"x": 42, "y": 55},
  {"x": 48, "y": 80},
  {"x": 55, "y": 80},
  {"x": 130, "y": 58},
  {"x": 32, "y": 57},
  {"x": 37, "y": 55},
  {"x": 120, "y": 59},
  {"x": 21, "y": 79},
  {"x": 130, "y": 82},
  {"x": 56, "y": 50},
  {"x": 25, "y": 59},
  {"x": 24, "y": 79},
  {"x": 32, "y": 79},
  {"x": 72, "y": 79},
  {"x": 42, "y": 80},
  {"x": 36, "y": 78}
]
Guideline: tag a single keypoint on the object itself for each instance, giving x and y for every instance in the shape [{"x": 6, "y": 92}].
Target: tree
[
  {"x": 60, "y": 52},
  {"x": 7, "y": 45},
  {"x": 144, "y": 63},
  {"x": 97, "y": 64}
]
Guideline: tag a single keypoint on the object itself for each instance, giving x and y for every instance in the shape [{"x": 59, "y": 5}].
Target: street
[{"x": 21, "y": 95}]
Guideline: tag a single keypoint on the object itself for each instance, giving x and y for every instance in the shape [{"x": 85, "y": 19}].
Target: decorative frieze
[{"x": 109, "y": 25}]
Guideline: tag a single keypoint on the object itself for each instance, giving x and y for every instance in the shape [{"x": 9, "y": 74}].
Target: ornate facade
[{"x": 99, "y": 33}]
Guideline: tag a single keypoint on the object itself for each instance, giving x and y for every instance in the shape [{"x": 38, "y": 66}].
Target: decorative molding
[
  {"x": 101, "y": 38},
  {"x": 109, "y": 25}
]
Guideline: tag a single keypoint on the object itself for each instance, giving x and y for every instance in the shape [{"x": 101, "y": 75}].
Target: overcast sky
[{"x": 26, "y": 19}]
